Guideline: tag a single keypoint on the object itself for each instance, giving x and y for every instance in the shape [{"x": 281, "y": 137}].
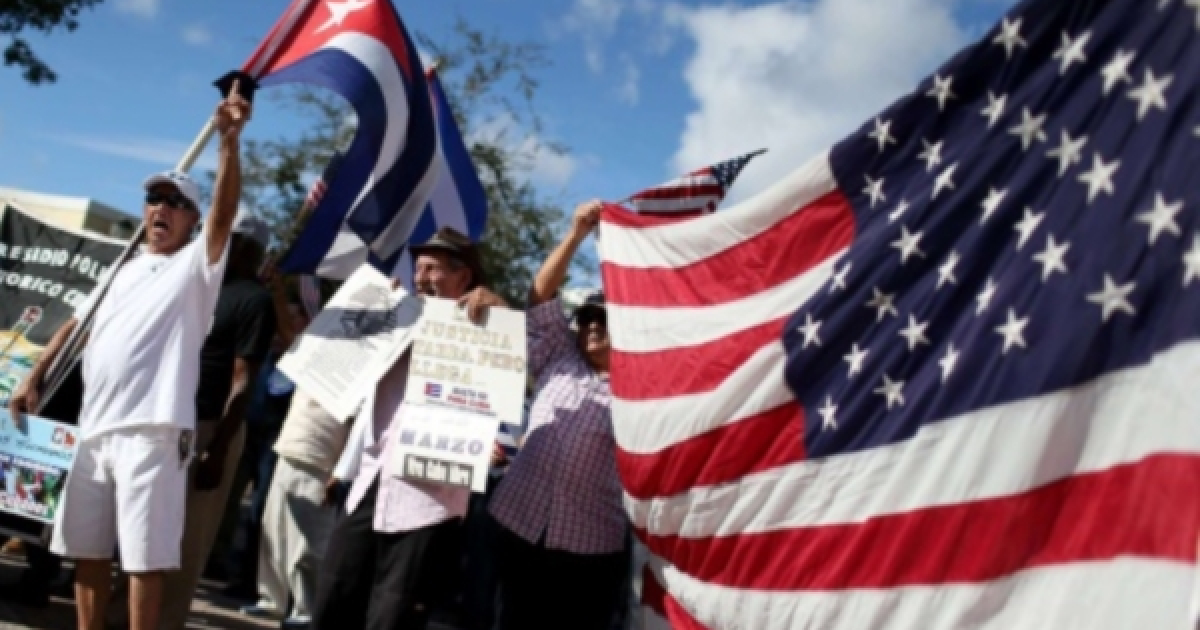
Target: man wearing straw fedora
[{"x": 140, "y": 371}]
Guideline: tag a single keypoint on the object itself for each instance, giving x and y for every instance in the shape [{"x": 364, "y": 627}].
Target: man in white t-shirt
[{"x": 127, "y": 487}]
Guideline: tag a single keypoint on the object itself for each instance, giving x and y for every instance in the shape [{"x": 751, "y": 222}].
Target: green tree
[
  {"x": 491, "y": 84},
  {"x": 16, "y": 16}
]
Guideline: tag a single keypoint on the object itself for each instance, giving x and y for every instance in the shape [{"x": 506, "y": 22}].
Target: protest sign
[
  {"x": 351, "y": 344},
  {"x": 461, "y": 365},
  {"x": 45, "y": 272},
  {"x": 33, "y": 466},
  {"x": 443, "y": 445}
]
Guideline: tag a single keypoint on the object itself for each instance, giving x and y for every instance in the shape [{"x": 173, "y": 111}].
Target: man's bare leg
[
  {"x": 145, "y": 600},
  {"x": 93, "y": 580}
]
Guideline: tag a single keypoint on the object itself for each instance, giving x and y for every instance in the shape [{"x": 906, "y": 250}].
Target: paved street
[{"x": 210, "y": 610}]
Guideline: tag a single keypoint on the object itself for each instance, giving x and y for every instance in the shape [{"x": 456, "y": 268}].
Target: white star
[
  {"x": 874, "y": 190},
  {"x": 1030, "y": 129},
  {"x": 882, "y": 134},
  {"x": 901, "y": 208},
  {"x": 884, "y": 303},
  {"x": 985, "y": 297},
  {"x": 914, "y": 333},
  {"x": 1010, "y": 37},
  {"x": 1028, "y": 225},
  {"x": 1117, "y": 70},
  {"x": 992, "y": 203},
  {"x": 945, "y": 180},
  {"x": 810, "y": 329},
  {"x": 856, "y": 358},
  {"x": 1195, "y": 4},
  {"x": 339, "y": 11},
  {"x": 995, "y": 108},
  {"x": 839, "y": 278},
  {"x": 932, "y": 154},
  {"x": 1191, "y": 262},
  {"x": 1099, "y": 179},
  {"x": 1151, "y": 93},
  {"x": 1051, "y": 258},
  {"x": 828, "y": 415},
  {"x": 1068, "y": 153},
  {"x": 941, "y": 90},
  {"x": 1071, "y": 51},
  {"x": 909, "y": 244},
  {"x": 893, "y": 391},
  {"x": 948, "y": 362},
  {"x": 946, "y": 271},
  {"x": 1013, "y": 331},
  {"x": 1113, "y": 298},
  {"x": 1162, "y": 217}
]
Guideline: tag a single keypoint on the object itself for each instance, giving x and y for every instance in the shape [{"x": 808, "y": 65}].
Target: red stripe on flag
[
  {"x": 1064, "y": 522},
  {"x": 761, "y": 442},
  {"x": 656, "y": 598},
  {"x": 680, "y": 192},
  {"x": 653, "y": 593},
  {"x": 624, "y": 217},
  {"x": 688, "y": 369},
  {"x": 790, "y": 248}
]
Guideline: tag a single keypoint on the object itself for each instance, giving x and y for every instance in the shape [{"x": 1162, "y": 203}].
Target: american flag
[
  {"x": 943, "y": 376},
  {"x": 310, "y": 294},
  {"x": 695, "y": 193}
]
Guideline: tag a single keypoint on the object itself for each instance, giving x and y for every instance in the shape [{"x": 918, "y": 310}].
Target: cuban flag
[{"x": 383, "y": 183}]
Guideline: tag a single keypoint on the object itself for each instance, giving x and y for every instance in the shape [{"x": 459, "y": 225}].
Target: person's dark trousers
[
  {"x": 481, "y": 578},
  {"x": 548, "y": 589},
  {"x": 257, "y": 467},
  {"x": 374, "y": 581}
]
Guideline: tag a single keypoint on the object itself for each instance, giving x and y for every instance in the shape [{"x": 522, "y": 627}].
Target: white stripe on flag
[{"x": 998, "y": 452}]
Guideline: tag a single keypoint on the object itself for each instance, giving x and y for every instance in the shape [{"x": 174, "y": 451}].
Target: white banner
[
  {"x": 349, "y": 346},
  {"x": 459, "y": 365},
  {"x": 442, "y": 445}
]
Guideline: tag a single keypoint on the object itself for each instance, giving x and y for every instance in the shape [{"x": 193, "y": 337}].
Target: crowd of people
[{"x": 185, "y": 416}]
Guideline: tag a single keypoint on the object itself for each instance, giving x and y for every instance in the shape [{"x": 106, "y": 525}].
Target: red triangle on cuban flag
[{"x": 309, "y": 25}]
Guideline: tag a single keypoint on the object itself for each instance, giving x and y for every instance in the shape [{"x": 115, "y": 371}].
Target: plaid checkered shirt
[{"x": 564, "y": 483}]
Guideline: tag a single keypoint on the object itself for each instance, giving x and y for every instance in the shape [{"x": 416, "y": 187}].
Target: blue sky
[{"x": 639, "y": 90}]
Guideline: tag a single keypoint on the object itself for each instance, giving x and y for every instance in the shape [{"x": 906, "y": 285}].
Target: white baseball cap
[
  {"x": 253, "y": 228},
  {"x": 184, "y": 184}
]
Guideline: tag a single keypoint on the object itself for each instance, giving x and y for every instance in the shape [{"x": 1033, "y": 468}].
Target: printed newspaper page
[
  {"x": 460, "y": 365},
  {"x": 352, "y": 342}
]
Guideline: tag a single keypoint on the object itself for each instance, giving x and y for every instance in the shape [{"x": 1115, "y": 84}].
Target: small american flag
[
  {"x": 943, "y": 376},
  {"x": 310, "y": 294},
  {"x": 695, "y": 193}
]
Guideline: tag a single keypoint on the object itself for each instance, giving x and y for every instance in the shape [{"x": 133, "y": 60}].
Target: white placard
[
  {"x": 352, "y": 342},
  {"x": 460, "y": 365},
  {"x": 442, "y": 445}
]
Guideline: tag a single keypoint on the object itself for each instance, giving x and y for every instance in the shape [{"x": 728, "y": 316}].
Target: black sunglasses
[{"x": 174, "y": 201}]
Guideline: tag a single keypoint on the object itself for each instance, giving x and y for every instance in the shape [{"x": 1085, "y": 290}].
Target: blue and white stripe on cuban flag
[{"x": 330, "y": 248}]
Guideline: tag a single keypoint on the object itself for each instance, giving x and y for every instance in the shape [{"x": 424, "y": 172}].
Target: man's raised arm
[{"x": 231, "y": 117}]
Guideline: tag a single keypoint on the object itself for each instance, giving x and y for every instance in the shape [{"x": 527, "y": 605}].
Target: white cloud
[
  {"x": 197, "y": 35},
  {"x": 141, "y": 8},
  {"x": 795, "y": 77},
  {"x": 629, "y": 91},
  {"x": 594, "y": 21},
  {"x": 538, "y": 159},
  {"x": 158, "y": 151}
]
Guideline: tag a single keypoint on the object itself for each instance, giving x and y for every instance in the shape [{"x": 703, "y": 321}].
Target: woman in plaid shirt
[{"x": 563, "y": 529}]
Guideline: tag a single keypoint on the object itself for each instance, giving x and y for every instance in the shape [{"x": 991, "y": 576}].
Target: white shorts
[{"x": 127, "y": 489}]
